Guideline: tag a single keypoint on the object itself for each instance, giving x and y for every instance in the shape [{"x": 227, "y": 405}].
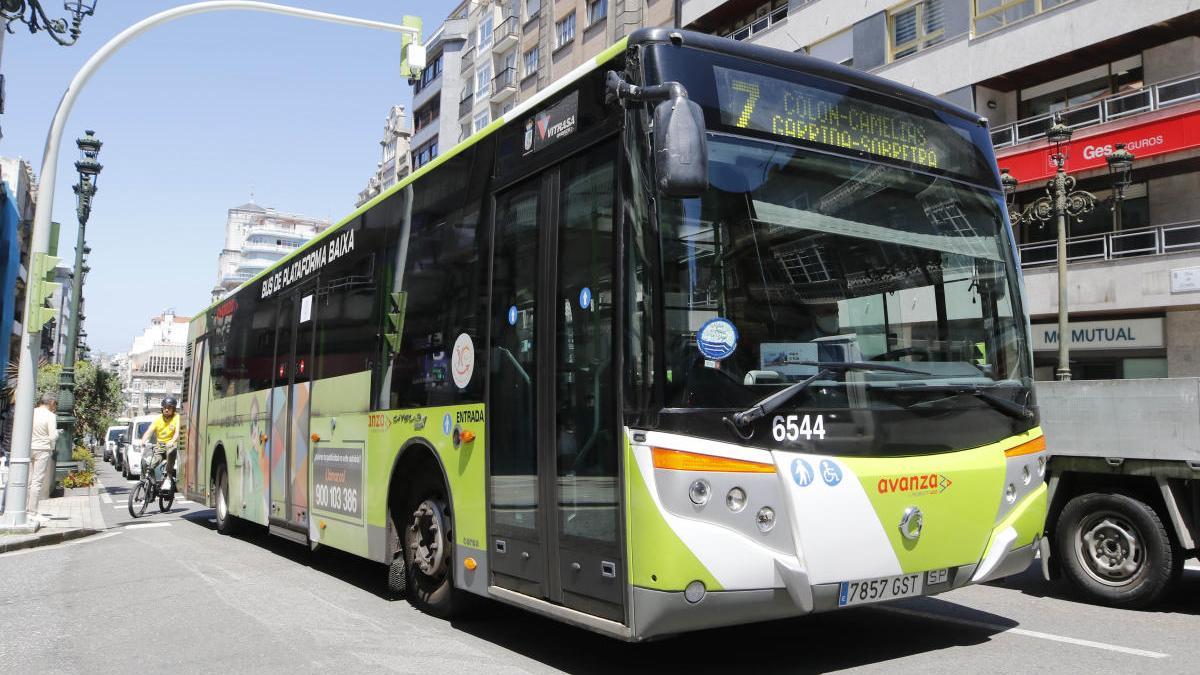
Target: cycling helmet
[{"x": 170, "y": 402}]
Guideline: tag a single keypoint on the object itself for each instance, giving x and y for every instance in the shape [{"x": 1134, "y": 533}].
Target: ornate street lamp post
[
  {"x": 85, "y": 189},
  {"x": 30, "y": 13},
  {"x": 1060, "y": 201}
]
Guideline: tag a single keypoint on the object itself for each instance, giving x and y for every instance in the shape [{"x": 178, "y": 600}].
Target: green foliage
[
  {"x": 97, "y": 395},
  {"x": 82, "y": 454},
  {"x": 77, "y": 479}
]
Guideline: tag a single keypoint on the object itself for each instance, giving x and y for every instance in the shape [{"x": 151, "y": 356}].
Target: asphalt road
[{"x": 166, "y": 593}]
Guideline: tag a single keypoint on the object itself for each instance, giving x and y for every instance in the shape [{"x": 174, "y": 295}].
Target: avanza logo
[{"x": 916, "y": 484}]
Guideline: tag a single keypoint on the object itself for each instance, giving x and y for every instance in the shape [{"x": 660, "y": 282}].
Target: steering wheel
[{"x": 918, "y": 354}]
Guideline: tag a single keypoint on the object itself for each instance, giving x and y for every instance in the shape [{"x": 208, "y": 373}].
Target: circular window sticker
[
  {"x": 462, "y": 361},
  {"x": 717, "y": 339}
]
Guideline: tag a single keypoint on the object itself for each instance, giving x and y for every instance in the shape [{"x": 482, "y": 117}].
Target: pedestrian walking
[{"x": 45, "y": 433}]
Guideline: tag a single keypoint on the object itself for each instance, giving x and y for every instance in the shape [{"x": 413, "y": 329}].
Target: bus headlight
[
  {"x": 1025, "y": 475},
  {"x": 736, "y": 499},
  {"x": 699, "y": 492},
  {"x": 1010, "y": 493},
  {"x": 765, "y": 519}
]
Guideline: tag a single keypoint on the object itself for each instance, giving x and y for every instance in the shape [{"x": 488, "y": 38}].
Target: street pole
[
  {"x": 14, "y": 516},
  {"x": 85, "y": 189},
  {"x": 1063, "y": 372}
]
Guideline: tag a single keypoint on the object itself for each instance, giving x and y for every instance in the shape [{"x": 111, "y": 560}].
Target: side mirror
[{"x": 680, "y": 147}]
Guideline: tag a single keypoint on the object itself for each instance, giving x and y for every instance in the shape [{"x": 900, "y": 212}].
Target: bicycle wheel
[
  {"x": 138, "y": 496},
  {"x": 165, "y": 499}
]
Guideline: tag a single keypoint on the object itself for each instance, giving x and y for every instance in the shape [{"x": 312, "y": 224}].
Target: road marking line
[
  {"x": 145, "y": 525},
  {"x": 1026, "y": 633},
  {"x": 105, "y": 498}
]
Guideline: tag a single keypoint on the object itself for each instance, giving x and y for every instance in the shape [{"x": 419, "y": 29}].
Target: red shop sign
[{"x": 1156, "y": 137}]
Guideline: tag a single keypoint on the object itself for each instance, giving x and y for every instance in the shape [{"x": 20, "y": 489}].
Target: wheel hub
[
  {"x": 1111, "y": 549},
  {"x": 427, "y": 538}
]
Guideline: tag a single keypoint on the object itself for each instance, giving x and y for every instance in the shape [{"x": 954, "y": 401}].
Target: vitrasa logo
[{"x": 916, "y": 484}]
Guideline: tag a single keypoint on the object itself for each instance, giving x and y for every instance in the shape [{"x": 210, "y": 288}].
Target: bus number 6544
[{"x": 792, "y": 427}]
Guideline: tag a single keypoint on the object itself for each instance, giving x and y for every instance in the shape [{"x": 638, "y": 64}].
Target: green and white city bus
[{"x": 703, "y": 334}]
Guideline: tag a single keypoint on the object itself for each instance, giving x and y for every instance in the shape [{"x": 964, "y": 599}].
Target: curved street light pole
[{"x": 15, "y": 493}]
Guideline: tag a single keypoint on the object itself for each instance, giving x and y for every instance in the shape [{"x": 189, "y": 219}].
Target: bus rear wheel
[
  {"x": 1116, "y": 549},
  {"x": 428, "y": 551},
  {"x": 226, "y": 521}
]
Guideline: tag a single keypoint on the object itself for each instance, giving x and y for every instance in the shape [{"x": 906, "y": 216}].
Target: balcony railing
[
  {"x": 468, "y": 58},
  {"x": 504, "y": 85},
  {"x": 760, "y": 24},
  {"x": 465, "y": 103},
  {"x": 506, "y": 34},
  {"x": 1107, "y": 109},
  {"x": 1142, "y": 241}
]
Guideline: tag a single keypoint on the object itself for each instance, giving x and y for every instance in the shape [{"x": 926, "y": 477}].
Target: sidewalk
[{"x": 75, "y": 515}]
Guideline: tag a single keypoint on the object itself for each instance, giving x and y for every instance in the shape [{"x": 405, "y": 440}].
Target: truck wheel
[
  {"x": 1116, "y": 549},
  {"x": 428, "y": 555}
]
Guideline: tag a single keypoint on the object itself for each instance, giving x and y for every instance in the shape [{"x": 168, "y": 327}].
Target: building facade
[
  {"x": 489, "y": 56},
  {"x": 1117, "y": 72},
  {"x": 155, "y": 364},
  {"x": 256, "y": 238},
  {"x": 394, "y": 162}
]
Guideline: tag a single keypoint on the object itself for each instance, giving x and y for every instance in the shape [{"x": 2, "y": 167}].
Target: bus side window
[{"x": 345, "y": 314}]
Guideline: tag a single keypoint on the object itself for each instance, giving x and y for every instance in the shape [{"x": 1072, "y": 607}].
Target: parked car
[
  {"x": 111, "y": 435},
  {"x": 131, "y": 462}
]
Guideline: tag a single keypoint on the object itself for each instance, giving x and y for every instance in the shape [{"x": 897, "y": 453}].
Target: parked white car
[
  {"x": 111, "y": 435},
  {"x": 132, "y": 460}
]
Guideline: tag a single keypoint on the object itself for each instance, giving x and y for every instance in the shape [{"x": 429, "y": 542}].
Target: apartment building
[
  {"x": 256, "y": 238},
  {"x": 1117, "y": 72},
  {"x": 155, "y": 363},
  {"x": 394, "y": 161}
]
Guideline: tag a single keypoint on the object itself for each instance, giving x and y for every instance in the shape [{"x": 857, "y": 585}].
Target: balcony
[
  {"x": 465, "y": 103},
  {"x": 467, "y": 57},
  {"x": 504, "y": 85},
  {"x": 1142, "y": 241},
  {"x": 759, "y": 24},
  {"x": 1107, "y": 109},
  {"x": 506, "y": 34}
]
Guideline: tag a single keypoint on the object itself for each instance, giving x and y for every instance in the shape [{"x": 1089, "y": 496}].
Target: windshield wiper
[
  {"x": 771, "y": 403},
  {"x": 1010, "y": 408}
]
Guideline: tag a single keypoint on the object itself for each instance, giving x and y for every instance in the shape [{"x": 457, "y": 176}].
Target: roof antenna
[{"x": 252, "y": 193}]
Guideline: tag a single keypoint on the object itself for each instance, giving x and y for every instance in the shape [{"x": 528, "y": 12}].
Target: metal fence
[
  {"x": 1107, "y": 109},
  {"x": 1157, "y": 240}
]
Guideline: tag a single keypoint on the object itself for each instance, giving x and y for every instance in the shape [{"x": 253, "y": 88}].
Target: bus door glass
[
  {"x": 194, "y": 447},
  {"x": 290, "y": 409},
  {"x": 554, "y": 484}
]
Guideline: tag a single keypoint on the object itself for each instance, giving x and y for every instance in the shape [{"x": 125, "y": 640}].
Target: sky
[{"x": 195, "y": 116}]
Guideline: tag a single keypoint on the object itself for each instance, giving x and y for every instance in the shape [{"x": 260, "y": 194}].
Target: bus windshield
[{"x": 795, "y": 257}]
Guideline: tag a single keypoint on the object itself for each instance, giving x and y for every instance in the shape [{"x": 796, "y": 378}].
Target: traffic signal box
[{"x": 41, "y": 289}]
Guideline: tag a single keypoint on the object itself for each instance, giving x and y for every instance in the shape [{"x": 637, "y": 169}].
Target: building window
[
  {"x": 990, "y": 15},
  {"x": 481, "y": 121},
  {"x": 596, "y": 10},
  {"x": 429, "y": 74},
  {"x": 483, "y": 80},
  {"x": 530, "y": 65},
  {"x": 839, "y": 48},
  {"x": 425, "y": 154},
  {"x": 564, "y": 31},
  {"x": 532, "y": 7},
  {"x": 485, "y": 30},
  {"x": 914, "y": 27},
  {"x": 427, "y": 114}
]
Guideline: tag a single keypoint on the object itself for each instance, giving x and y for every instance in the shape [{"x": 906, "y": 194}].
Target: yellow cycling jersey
[{"x": 163, "y": 430}]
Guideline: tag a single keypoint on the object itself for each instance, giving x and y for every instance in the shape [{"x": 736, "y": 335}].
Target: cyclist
[{"x": 165, "y": 430}]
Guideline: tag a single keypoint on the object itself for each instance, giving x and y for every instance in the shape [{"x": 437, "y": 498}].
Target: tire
[
  {"x": 138, "y": 499},
  {"x": 429, "y": 577},
  {"x": 226, "y": 522},
  {"x": 165, "y": 500},
  {"x": 1115, "y": 549}
]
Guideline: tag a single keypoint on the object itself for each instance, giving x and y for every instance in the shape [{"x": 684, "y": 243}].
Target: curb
[{"x": 46, "y": 540}]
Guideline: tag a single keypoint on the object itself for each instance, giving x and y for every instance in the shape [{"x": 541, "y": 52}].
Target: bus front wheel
[
  {"x": 1116, "y": 549},
  {"x": 427, "y": 540},
  {"x": 226, "y": 521}
]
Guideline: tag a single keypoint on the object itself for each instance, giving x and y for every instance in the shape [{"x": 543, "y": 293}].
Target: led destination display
[{"x": 796, "y": 111}]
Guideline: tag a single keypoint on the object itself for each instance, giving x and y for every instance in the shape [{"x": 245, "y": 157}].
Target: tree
[{"x": 98, "y": 397}]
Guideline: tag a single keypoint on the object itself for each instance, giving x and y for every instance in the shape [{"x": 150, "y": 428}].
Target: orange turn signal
[
  {"x": 678, "y": 460},
  {"x": 316, "y": 437},
  {"x": 467, "y": 437},
  {"x": 1027, "y": 448},
  {"x": 470, "y": 563}
]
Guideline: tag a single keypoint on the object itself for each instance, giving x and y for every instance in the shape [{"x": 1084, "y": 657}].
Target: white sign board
[
  {"x": 1117, "y": 334},
  {"x": 1185, "y": 280}
]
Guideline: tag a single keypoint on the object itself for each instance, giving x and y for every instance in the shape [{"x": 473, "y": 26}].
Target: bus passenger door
[
  {"x": 290, "y": 407},
  {"x": 191, "y": 464},
  {"x": 556, "y": 521}
]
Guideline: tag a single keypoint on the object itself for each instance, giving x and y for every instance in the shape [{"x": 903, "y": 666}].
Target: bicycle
[{"x": 149, "y": 488}]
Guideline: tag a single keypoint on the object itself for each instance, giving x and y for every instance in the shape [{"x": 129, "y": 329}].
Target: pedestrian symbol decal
[
  {"x": 802, "y": 472},
  {"x": 830, "y": 473},
  {"x": 447, "y": 424}
]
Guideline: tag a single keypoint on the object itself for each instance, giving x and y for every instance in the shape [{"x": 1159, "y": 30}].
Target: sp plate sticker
[{"x": 717, "y": 339}]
